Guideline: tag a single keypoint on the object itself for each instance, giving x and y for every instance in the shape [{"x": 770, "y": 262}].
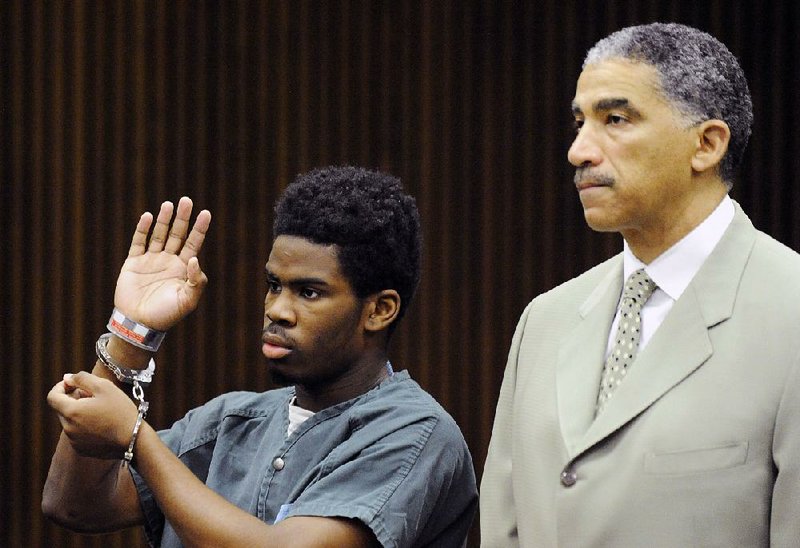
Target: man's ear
[
  {"x": 713, "y": 137},
  {"x": 383, "y": 309}
]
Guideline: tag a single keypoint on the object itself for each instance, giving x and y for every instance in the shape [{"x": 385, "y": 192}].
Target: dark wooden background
[{"x": 108, "y": 108}]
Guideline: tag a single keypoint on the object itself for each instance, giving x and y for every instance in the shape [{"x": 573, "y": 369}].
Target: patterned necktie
[{"x": 637, "y": 290}]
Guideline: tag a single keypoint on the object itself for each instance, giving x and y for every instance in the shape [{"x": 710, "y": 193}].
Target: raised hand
[{"x": 161, "y": 281}]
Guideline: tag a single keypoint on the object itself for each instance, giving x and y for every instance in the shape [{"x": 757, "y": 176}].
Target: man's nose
[
  {"x": 584, "y": 150},
  {"x": 278, "y": 308}
]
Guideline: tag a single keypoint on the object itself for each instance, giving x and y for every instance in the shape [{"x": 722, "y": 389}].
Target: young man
[
  {"x": 352, "y": 453},
  {"x": 673, "y": 420}
]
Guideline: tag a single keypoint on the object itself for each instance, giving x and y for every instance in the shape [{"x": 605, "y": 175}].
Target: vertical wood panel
[{"x": 109, "y": 108}]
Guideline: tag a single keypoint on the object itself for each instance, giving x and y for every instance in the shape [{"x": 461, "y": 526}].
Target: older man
[{"x": 655, "y": 400}]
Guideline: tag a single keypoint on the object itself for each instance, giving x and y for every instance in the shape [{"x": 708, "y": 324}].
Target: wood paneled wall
[{"x": 109, "y": 107}]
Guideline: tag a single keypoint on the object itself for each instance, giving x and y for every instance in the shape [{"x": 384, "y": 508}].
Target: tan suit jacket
[{"x": 700, "y": 445}]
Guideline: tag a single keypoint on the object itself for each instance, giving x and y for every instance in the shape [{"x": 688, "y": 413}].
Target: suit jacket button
[
  {"x": 278, "y": 464},
  {"x": 568, "y": 477}
]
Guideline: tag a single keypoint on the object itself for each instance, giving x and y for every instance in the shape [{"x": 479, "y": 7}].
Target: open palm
[{"x": 161, "y": 280}]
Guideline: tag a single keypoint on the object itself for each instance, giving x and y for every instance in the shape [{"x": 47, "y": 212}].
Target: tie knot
[{"x": 638, "y": 288}]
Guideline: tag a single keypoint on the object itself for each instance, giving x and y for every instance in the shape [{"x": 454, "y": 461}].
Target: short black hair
[
  {"x": 699, "y": 75},
  {"x": 367, "y": 216}
]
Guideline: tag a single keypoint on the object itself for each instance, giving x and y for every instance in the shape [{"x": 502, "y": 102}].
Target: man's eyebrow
[
  {"x": 297, "y": 281},
  {"x": 612, "y": 103}
]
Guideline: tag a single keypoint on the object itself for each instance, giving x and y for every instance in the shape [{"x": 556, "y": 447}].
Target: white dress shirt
[{"x": 674, "y": 269}]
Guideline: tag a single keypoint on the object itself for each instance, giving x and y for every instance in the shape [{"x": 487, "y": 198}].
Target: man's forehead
[
  {"x": 615, "y": 83},
  {"x": 298, "y": 252}
]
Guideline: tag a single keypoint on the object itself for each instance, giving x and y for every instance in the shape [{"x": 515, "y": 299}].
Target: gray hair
[{"x": 698, "y": 75}]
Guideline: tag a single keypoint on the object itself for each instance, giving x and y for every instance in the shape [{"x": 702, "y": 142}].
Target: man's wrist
[
  {"x": 125, "y": 353},
  {"x": 143, "y": 406},
  {"x": 134, "y": 332},
  {"x": 121, "y": 370}
]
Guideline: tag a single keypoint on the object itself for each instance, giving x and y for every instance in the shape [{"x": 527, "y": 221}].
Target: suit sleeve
[
  {"x": 784, "y": 523},
  {"x": 498, "y": 516}
]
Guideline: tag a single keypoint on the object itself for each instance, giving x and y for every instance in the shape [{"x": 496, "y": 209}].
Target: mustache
[{"x": 583, "y": 174}]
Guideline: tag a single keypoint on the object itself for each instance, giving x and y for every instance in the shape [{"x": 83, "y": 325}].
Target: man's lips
[
  {"x": 275, "y": 347},
  {"x": 583, "y": 185},
  {"x": 275, "y": 352}
]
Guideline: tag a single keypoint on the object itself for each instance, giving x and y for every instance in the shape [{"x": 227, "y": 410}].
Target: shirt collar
[{"x": 674, "y": 269}]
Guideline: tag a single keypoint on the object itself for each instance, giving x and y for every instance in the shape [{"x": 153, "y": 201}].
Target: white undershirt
[
  {"x": 673, "y": 270},
  {"x": 297, "y": 416}
]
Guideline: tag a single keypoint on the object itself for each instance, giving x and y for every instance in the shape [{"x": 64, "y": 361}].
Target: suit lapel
[
  {"x": 580, "y": 358},
  {"x": 679, "y": 347}
]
